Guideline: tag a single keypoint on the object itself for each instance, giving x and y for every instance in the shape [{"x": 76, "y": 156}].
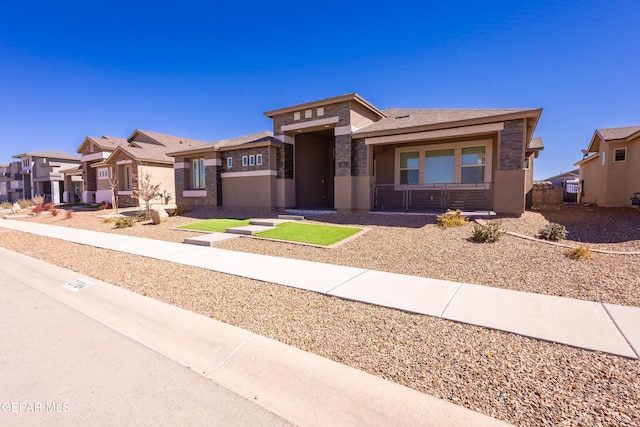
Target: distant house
[
  {"x": 38, "y": 173},
  {"x": 343, "y": 153},
  {"x": 610, "y": 172},
  {"x": 559, "y": 180},
  {"x": 115, "y": 164}
]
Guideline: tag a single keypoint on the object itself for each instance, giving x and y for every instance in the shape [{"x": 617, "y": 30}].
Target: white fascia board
[
  {"x": 310, "y": 124},
  {"x": 435, "y": 134},
  {"x": 94, "y": 156},
  {"x": 124, "y": 162},
  {"x": 248, "y": 173}
]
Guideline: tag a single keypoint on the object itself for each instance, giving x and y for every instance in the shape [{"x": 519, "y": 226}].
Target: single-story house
[
  {"x": 344, "y": 153},
  {"x": 560, "y": 179},
  {"x": 40, "y": 173},
  {"x": 610, "y": 172},
  {"x": 111, "y": 164}
]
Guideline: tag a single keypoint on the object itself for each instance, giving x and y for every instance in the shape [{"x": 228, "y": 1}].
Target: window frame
[
  {"x": 259, "y": 159},
  {"x": 229, "y": 162},
  {"x": 401, "y": 169},
  {"x": 615, "y": 154},
  {"x": 245, "y": 161},
  {"x": 198, "y": 174},
  {"x": 252, "y": 160}
]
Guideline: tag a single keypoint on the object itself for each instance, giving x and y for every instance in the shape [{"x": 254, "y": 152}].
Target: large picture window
[
  {"x": 439, "y": 166},
  {"x": 473, "y": 163},
  {"x": 197, "y": 172},
  {"x": 409, "y": 167}
]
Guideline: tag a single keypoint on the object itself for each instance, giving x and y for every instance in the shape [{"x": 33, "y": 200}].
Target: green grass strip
[
  {"x": 324, "y": 235},
  {"x": 216, "y": 224}
]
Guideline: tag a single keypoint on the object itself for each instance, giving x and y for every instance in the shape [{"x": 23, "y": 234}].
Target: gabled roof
[
  {"x": 48, "y": 154},
  {"x": 263, "y": 136},
  {"x": 105, "y": 143},
  {"x": 612, "y": 134},
  {"x": 169, "y": 141},
  {"x": 148, "y": 153},
  {"x": 405, "y": 120},
  {"x": 319, "y": 103},
  {"x": 571, "y": 173}
]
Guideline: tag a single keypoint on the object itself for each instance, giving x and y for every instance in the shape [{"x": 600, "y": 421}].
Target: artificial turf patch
[{"x": 324, "y": 235}]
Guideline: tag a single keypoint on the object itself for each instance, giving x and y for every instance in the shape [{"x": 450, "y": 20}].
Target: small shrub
[
  {"x": 38, "y": 200},
  {"x": 553, "y": 232},
  {"x": 143, "y": 216},
  {"x": 578, "y": 253},
  {"x": 125, "y": 222},
  {"x": 107, "y": 220},
  {"x": 68, "y": 214},
  {"x": 104, "y": 205},
  {"x": 38, "y": 209},
  {"x": 24, "y": 203},
  {"x": 179, "y": 210},
  {"x": 451, "y": 219},
  {"x": 54, "y": 211},
  {"x": 49, "y": 206},
  {"x": 6, "y": 205},
  {"x": 489, "y": 233}
]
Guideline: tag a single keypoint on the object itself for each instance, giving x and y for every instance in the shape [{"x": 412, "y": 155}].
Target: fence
[{"x": 425, "y": 197}]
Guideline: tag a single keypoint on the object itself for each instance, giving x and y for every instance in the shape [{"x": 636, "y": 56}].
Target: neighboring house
[
  {"x": 344, "y": 153},
  {"x": 114, "y": 164},
  {"x": 5, "y": 179},
  {"x": 73, "y": 184},
  {"x": 559, "y": 180},
  {"x": 610, "y": 172},
  {"x": 40, "y": 174}
]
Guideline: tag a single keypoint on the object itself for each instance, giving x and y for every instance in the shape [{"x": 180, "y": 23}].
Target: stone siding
[
  {"x": 360, "y": 160},
  {"x": 237, "y": 155},
  {"x": 285, "y": 161},
  {"x": 512, "y": 145}
]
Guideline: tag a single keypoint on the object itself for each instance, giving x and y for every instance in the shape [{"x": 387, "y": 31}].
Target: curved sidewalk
[{"x": 590, "y": 325}]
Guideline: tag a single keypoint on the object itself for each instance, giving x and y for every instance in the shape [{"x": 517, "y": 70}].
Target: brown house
[
  {"x": 115, "y": 164},
  {"x": 610, "y": 172},
  {"x": 343, "y": 153}
]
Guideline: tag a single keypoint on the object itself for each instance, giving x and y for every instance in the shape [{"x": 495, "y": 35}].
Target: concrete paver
[
  {"x": 249, "y": 229},
  {"x": 577, "y": 323},
  {"x": 569, "y": 321},
  {"x": 285, "y": 382},
  {"x": 210, "y": 239}
]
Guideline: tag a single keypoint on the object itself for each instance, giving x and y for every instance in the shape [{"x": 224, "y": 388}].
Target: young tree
[
  {"x": 144, "y": 189},
  {"x": 113, "y": 184}
]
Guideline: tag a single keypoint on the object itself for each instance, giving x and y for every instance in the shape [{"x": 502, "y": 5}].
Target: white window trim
[
  {"x": 259, "y": 159},
  {"x": 252, "y": 160},
  {"x": 245, "y": 161},
  {"x": 229, "y": 162},
  {"x": 457, "y": 155},
  {"x": 625, "y": 154}
]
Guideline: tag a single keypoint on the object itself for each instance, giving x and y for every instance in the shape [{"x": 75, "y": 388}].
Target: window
[
  {"x": 103, "y": 173},
  {"x": 409, "y": 165},
  {"x": 259, "y": 159},
  {"x": 473, "y": 162},
  {"x": 439, "y": 166},
  {"x": 245, "y": 161},
  {"x": 620, "y": 155},
  {"x": 197, "y": 173},
  {"x": 252, "y": 160},
  {"x": 26, "y": 163},
  {"x": 526, "y": 163},
  {"x": 126, "y": 178},
  {"x": 602, "y": 158},
  {"x": 229, "y": 162}
]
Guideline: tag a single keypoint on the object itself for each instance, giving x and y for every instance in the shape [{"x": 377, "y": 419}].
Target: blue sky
[{"x": 208, "y": 71}]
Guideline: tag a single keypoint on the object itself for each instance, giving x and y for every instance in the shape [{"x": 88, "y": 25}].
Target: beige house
[
  {"x": 40, "y": 173},
  {"x": 610, "y": 172},
  {"x": 344, "y": 153},
  {"x": 115, "y": 165}
]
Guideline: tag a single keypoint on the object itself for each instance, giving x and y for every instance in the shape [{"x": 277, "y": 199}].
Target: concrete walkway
[{"x": 584, "y": 324}]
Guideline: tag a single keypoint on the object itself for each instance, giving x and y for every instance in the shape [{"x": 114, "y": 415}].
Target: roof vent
[{"x": 402, "y": 117}]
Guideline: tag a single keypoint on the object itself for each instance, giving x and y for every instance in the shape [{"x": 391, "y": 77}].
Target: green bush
[
  {"x": 489, "y": 233},
  {"x": 553, "y": 231},
  {"x": 125, "y": 222},
  {"x": 451, "y": 219}
]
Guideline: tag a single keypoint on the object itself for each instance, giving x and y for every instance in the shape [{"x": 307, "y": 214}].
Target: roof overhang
[
  {"x": 587, "y": 159},
  {"x": 270, "y": 142},
  {"x": 354, "y": 97},
  {"x": 435, "y": 134}
]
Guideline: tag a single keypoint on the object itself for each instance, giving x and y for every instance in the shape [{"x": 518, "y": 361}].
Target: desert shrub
[
  {"x": 48, "y": 206},
  {"x": 143, "y": 216},
  {"x": 37, "y": 209},
  {"x": 179, "y": 210},
  {"x": 24, "y": 203},
  {"x": 68, "y": 214},
  {"x": 54, "y": 211},
  {"x": 552, "y": 231},
  {"x": 107, "y": 220},
  {"x": 578, "y": 253},
  {"x": 488, "y": 233},
  {"x": 125, "y": 222},
  {"x": 104, "y": 205},
  {"x": 37, "y": 199},
  {"x": 6, "y": 205},
  {"x": 451, "y": 219}
]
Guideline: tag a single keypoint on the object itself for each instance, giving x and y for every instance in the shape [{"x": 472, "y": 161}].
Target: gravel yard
[{"x": 520, "y": 380}]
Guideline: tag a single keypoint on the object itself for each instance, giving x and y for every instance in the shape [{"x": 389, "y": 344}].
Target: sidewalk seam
[
  {"x": 345, "y": 282},
  {"x": 450, "y": 299},
  {"x": 620, "y": 330},
  {"x": 230, "y": 355}
]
